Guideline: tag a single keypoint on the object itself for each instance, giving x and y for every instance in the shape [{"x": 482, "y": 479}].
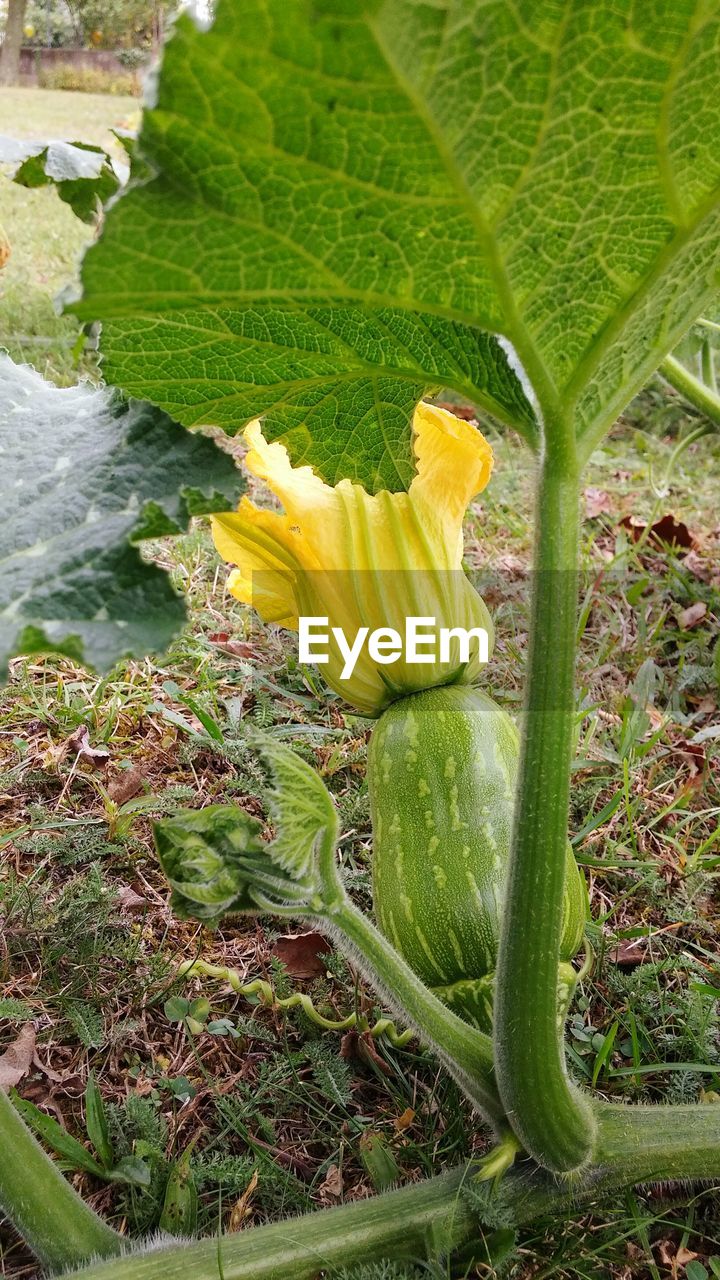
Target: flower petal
[
  {"x": 454, "y": 462},
  {"x": 261, "y": 545}
]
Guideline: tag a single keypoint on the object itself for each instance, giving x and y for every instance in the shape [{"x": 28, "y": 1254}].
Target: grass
[
  {"x": 46, "y": 239},
  {"x": 282, "y": 1113}
]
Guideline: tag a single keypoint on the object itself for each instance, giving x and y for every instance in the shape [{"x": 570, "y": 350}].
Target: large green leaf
[
  {"x": 545, "y": 170},
  {"x": 85, "y": 475}
]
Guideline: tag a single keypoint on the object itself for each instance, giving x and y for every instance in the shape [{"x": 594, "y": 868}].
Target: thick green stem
[
  {"x": 466, "y": 1052},
  {"x": 59, "y": 1227},
  {"x": 636, "y": 1144},
  {"x": 551, "y": 1117},
  {"x": 702, "y": 397},
  {"x": 403, "y": 1224},
  {"x": 659, "y": 1142}
]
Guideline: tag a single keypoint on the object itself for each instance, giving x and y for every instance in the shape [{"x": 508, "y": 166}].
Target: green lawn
[
  {"x": 90, "y": 950},
  {"x": 46, "y": 239}
]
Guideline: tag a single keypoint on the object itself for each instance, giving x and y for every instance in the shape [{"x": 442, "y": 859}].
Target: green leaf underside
[
  {"x": 85, "y": 475},
  {"x": 300, "y": 805},
  {"x": 338, "y": 384},
  {"x": 83, "y": 175},
  {"x": 544, "y": 170}
]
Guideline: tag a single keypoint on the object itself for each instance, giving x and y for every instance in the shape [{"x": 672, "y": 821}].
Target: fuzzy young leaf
[
  {"x": 217, "y": 865},
  {"x": 301, "y": 808},
  {"x": 86, "y": 474},
  {"x": 83, "y": 175},
  {"x": 210, "y": 857},
  {"x": 345, "y": 197}
]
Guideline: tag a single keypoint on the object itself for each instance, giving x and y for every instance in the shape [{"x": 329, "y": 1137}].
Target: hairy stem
[
  {"x": 636, "y": 1144},
  {"x": 465, "y": 1051},
  {"x": 551, "y": 1117},
  {"x": 59, "y": 1227},
  {"x": 697, "y": 393},
  {"x": 403, "y": 1224},
  {"x": 659, "y": 1142}
]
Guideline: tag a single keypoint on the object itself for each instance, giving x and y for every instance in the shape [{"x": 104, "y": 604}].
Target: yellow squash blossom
[{"x": 365, "y": 560}]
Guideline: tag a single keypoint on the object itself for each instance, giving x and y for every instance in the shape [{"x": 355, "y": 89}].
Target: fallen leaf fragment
[
  {"x": 628, "y": 953},
  {"x": 597, "y": 503},
  {"x": 16, "y": 1061},
  {"x": 302, "y": 954},
  {"x": 79, "y": 744},
  {"x": 664, "y": 532},
  {"x": 360, "y": 1045},
  {"x": 692, "y": 615},
  {"x": 127, "y": 785},
  {"x": 404, "y": 1121},
  {"x": 55, "y": 1076},
  {"x": 129, "y": 900},
  {"x": 332, "y": 1187},
  {"x": 238, "y": 648},
  {"x": 698, "y": 566}
]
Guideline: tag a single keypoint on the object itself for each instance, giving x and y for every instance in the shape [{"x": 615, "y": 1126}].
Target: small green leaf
[
  {"x": 603, "y": 1056},
  {"x": 379, "y": 1162},
  {"x": 211, "y": 727},
  {"x": 179, "y": 1213},
  {"x": 96, "y": 1123},
  {"x": 696, "y": 1271},
  {"x": 79, "y": 468},
  {"x": 199, "y": 1009},
  {"x": 15, "y": 1010},
  {"x": 87, "y": 1023},
  {"x": 176, "y": 1009},
  {"x": 71, "y": 1151},
  {"x": 131, "y": 1170}
]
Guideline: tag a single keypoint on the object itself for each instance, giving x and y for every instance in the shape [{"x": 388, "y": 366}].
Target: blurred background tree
[
  {"x": 15, "y": 20},
  {"x": 105, "y": 24}
]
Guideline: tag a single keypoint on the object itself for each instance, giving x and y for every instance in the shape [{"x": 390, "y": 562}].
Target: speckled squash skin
[{"x": 442, "y": 769}]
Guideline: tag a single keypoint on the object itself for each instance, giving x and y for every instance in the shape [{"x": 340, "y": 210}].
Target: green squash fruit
[{"x": 442, "y": 770}]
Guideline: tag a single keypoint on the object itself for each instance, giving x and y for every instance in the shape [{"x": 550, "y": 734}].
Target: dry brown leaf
[
  {"x": 464, "y": 411},
  {"x": 129, "y": 900},
  {"x": 79, "y": 744},
  {"x": 675, "y": 1258},
  {"x": 241, "y": 1208},
  {"x": 683, "y": 1256},
  {"x": 692, "y": 615},
  {"x": 699, "y": 566},
  {"x": 693, "y": 753},
  {"x": 360, "y": 1044},
  {"x": 628, "y": 953},
  {"x": 332, "y": 1187},
  {"x": 302, "y": 954},
  {"x": 127, "y": 785},
  {"x": 597, "y": 503},
  {"x": 16, "y": 1061},
  {"x": 238, "y": 648},
  {"x": 664, "y": 532},
  {"x": 56, "y": 1076},
  {"x": 404, "y": 1121}
]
